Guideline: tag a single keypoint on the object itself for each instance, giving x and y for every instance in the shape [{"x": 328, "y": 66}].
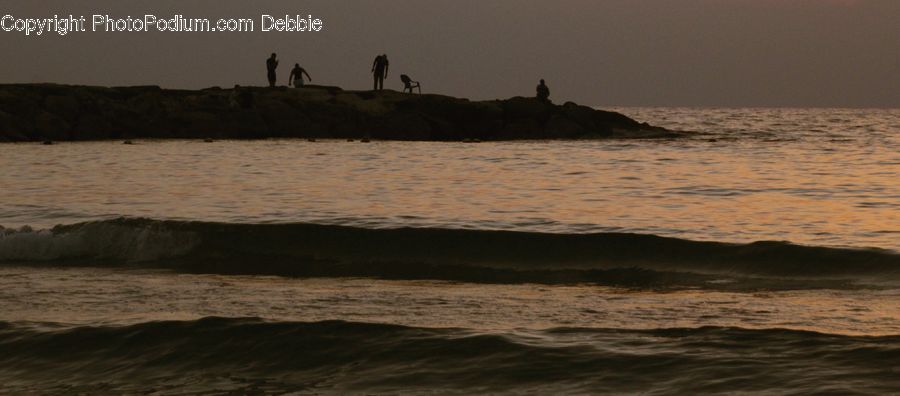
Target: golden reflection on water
[
  {"x": 739, "y": 191},
  {"x": 126, "y": 297}
]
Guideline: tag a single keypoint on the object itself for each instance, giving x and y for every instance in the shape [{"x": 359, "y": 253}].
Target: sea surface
[{"x": 759, "y": 255}]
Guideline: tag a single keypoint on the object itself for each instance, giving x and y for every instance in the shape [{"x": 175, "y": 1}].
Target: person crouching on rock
[
  {"x": 543, "y": 92},
  {"x": 296, "y": 78}
]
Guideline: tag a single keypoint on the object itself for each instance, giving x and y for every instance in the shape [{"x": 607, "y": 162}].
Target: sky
[{"x": 728, "y": 53}]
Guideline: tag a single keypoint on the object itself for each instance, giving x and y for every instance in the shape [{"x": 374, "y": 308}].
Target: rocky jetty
[{"x": 44, "y": 112}]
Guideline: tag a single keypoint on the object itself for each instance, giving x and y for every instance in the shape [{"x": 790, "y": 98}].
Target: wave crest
[
  {"x": 429, "y": 253},
  {"x": 130, "y": 241}
]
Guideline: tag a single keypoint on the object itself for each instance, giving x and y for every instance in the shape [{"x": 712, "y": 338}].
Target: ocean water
[{"x": 759, "y": 255}]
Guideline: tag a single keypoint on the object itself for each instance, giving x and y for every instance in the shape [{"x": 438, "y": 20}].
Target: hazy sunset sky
[{"x": 597, "y": 52}]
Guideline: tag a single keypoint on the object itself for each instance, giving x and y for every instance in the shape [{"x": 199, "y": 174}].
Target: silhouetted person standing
[
  {"x": 543, "y": 92},
  {"x": 296, "y": 78},
  {"x": 380, "y": 71},
  {"x": 271, "y": 65}
]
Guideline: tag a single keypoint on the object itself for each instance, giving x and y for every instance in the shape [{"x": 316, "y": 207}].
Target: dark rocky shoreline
[{"x": 46, "y": 112}]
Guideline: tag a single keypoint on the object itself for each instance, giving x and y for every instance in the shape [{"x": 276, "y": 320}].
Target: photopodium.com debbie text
[{"x": 151, "y": 23}]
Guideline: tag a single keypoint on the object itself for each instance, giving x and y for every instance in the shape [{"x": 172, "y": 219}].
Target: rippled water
[
  {"x": 819, "y": 177},
  {"x": 566, "y": 300},
  {"x": 95, "y": 297}
]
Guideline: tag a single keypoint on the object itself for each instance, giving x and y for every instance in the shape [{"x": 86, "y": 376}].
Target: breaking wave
[{"x": 429, "y": 253}]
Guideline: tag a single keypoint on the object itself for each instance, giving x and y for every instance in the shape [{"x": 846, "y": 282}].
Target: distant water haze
[{"x": 800, "y": 53}]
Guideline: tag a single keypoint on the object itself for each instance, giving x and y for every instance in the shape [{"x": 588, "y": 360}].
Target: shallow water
[{"x": 281, "y": 266}]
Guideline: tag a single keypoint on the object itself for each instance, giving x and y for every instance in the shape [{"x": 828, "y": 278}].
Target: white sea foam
[{"x": 95, "y": 240}]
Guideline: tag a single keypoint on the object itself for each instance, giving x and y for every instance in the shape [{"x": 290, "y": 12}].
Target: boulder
[
  {"x": 93, "y": 126},
  {"x": 562, "y": 127},
  {"x": 523, "y": 128},
  {"x": 148, "y": 104},
  {"x": 519, "y": 107},
  {"x": 10, "y": 131},
  {"x": 66, "y": 107},
  {"x": 405, "y": 126},
  {"x": 57, "y": 112},
  {"x": 582, "y": 115},
  {"x": 48, "y": 126}
]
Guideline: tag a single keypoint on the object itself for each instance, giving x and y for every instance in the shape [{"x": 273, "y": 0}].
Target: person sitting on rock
[
  {"x": 271, "y": 65},
  {"x": 543, "y": 92},
  {"x": 296, "y": 78}
]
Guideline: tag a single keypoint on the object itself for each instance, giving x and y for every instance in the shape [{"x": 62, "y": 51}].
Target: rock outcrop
[{"x": 42, "y": 112}]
